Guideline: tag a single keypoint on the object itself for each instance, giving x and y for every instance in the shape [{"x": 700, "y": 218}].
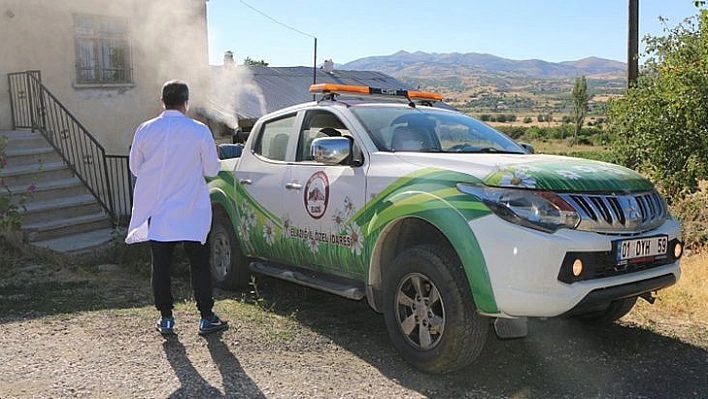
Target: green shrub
[
  {"x": 660, "y": 124},
  {"x": 515, "y": 132},
  {"x": 692, "y": 212}
]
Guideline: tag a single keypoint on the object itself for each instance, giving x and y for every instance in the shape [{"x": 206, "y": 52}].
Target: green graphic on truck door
[{"x": 428, "y": 194}]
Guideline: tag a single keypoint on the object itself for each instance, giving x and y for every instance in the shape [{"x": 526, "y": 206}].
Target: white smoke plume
[
  {"x": 221, "y": 93},
  {"x": 234, "y": 94}
]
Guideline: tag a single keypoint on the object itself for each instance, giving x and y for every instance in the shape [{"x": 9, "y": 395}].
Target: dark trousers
[{"x": 199, "y": 270}]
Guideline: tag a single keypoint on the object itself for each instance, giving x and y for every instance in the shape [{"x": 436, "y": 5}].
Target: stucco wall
[{"x": 169, "y": 41}]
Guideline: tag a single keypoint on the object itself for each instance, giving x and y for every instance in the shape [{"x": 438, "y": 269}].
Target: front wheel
[
  {"x": 229, "y": 268},
  {"x": 430, "y": 314}
]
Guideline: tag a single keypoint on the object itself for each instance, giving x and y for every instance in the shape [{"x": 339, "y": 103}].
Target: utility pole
[
  {"x": 633, "y": 43},
  {"x": 314, "y": 68}
]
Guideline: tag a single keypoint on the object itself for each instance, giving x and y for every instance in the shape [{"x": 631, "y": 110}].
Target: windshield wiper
[
  {"x": 490, "y": 150},
  {"x": 468, "y": 149}
]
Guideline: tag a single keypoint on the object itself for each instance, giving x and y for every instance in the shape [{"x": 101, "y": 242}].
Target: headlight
[{"x": 540, "y": 210}]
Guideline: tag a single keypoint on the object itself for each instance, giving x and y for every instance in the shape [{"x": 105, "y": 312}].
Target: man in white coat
[{"x": 170, "y": 156}]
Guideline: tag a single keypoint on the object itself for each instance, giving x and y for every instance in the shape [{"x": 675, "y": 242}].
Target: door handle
[
  {"x": 293, "y": 186},
  {"x": 245, "y": 181}
]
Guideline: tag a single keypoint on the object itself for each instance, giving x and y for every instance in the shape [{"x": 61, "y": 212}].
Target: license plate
[{"x": 648, "y": 247}]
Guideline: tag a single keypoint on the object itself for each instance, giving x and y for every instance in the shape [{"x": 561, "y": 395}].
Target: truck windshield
[{"x": 398, "y": 129}]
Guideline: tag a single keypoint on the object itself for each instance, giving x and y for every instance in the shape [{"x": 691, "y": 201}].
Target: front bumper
[
  {"x": 525, "y": 268},
  {"x": 599, "y": 299}
]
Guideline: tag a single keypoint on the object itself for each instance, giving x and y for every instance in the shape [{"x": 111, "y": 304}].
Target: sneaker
[
  {"x": 165, "y": 325},
  {"x": 212, "y": 324}
]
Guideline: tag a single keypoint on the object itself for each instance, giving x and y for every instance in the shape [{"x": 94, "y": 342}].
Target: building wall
[{"x": 168, "y": 41}]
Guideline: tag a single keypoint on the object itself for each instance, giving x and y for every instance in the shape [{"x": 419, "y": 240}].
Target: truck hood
[{"x": 536, "y": 171}]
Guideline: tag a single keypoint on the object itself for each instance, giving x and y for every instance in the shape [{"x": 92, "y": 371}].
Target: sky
[{"x": 283, "y": 32}]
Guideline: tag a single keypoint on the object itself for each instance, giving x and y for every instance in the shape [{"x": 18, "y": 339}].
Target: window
[
  {"x": 431, "y": 130},
  {"x": 103, "y": 53},
  {"x": 273, "y": 140}
]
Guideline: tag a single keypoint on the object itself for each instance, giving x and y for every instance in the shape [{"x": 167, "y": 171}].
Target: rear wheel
[
  {"x": 430, "y": 314},
  {"x": 615, "y": 311},
  {"x": 229, "y": 268}
]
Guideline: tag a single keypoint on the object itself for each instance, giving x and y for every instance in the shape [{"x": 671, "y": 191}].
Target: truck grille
[{"x": 615, "y": 213}]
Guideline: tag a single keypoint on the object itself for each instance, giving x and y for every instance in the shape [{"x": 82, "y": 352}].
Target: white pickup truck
[{"x": 443, "y": 224}]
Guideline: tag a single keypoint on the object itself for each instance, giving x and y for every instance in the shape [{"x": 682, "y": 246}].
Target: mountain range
[
  {"x": 407, "y": 62},
  {"x": 485, "y": 82}
]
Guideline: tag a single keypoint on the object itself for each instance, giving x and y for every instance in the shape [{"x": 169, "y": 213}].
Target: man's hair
[{"x": 174, "y": 93}]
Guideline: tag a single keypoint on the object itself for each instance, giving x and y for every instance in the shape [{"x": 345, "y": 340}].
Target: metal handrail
[{"x": 107, "y": 177}]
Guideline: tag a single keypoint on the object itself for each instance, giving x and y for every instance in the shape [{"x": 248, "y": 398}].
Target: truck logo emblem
[
  {"x": 631, "y": 210},
  {"x": 316, "y": 195}
]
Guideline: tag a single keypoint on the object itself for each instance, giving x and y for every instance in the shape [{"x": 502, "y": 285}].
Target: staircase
[{"x": 61, "y": 215}]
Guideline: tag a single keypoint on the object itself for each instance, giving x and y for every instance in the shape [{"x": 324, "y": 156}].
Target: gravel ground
[{"x": 91, "y": 335}]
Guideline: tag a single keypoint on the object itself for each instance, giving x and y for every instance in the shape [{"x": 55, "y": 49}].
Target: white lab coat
[{"x": 170, "y": 157}]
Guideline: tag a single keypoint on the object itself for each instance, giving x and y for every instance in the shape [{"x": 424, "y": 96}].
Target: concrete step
[
  {"x": 57, "y": 228},
  {"x": 31, "y": 156},
  {"x": 78, "y": 244},
  {"x": 68, "y": 187},
  {"x": 26, "y": 175},
  {"x": 61, "y": 214},
  {"x": 60, "y": 208},
  {"x": 24, "y": 139}
]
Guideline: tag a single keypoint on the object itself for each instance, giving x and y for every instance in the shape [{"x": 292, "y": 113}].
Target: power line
[
  {"x": 276, "y": 21},
  {"x": 314, "y": 60}
]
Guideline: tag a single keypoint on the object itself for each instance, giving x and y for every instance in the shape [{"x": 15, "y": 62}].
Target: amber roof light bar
[{"x": 325, "y": 88}]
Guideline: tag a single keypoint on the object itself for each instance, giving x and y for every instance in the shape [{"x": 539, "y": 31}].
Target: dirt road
[{"x": 85, "y": 335}]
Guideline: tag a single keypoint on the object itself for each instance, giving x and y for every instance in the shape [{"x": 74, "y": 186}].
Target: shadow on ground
[
  {"x": 559, "y": 358},
  {"x": 236, "y": 383}
]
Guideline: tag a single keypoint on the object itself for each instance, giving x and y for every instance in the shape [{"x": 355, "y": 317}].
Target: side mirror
[
  {"x": 331, "y": 150},
  {"x": 229, "y": 151},
  {"x": 528, "y": 147}
]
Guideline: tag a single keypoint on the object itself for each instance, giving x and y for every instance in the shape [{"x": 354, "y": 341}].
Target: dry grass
[
  {"x": 682, "y": 304},
  {"x": 560, "y": 147}
]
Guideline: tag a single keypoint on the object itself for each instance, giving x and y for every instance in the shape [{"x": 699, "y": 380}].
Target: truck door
[
  {"x": 259, "y": 183},
  {"x": 322, "y": 201}
]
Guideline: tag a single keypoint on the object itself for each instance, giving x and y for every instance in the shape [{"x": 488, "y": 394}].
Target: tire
[
  {"x": 229, "y": 268},
  {"x": 615, "y": 311},
  {"x": 429, "y": 311}
]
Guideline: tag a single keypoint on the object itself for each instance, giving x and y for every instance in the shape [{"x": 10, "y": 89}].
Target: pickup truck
[{"x": 443, "y": 224}]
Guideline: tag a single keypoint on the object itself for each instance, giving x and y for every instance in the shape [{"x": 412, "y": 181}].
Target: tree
[
  {"x": 250, "y": 61},
  {"x": 660, "y": 126},
  {"x": 580, "y": 105}
]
